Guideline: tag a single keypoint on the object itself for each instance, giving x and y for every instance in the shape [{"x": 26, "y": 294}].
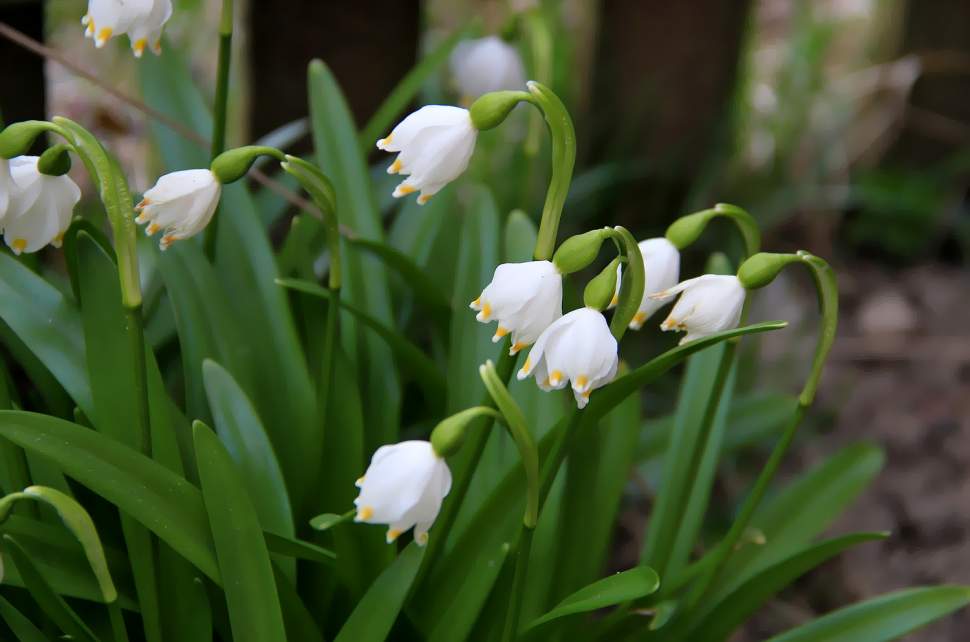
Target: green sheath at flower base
[
  {"x": 449, "y": 435},
  {"x": 55, "y": 161},
  {"x": 762, "y": 268},
  {"x": 16, "y": 139},
  {"x": 599, "y": 291},
  {"x": 231, "y": 165},
  {"x": 491, "y": 109},
  {"x": 577, "y": 252},
  {"x": 685, "y": 230}
]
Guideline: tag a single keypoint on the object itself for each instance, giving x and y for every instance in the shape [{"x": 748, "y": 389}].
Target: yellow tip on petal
[
  {"x": 19, "y": 245},
  {"x": 637, "y": 321},
  {"x": 555, "y": 377},
  {"x": 392, "y": 534},
  {"x": 359, "y": 482},
  {"x": 476, "y": 304},
  {"x": 424, "y": 198},
  {"x": 139, "y": 47},
  {"x": 614, "y": 301},
  {"x": 581, "y": 381},
  {"x": 104, "y": 35},
  {"x": 486, "y": 311},
  {"x": 404, "y": 190},
  {"x": 518, "y": 345},
  {"x": 365, "y": 513},
  {"x": 58, "y": 240},
  {"x": 500, "y": 332},
  {"x": 395, "y": 167},
  {"x": 151, "y": 229},
  {"x": 421, "y": 539},
  {"x": 527, "y": 366}
]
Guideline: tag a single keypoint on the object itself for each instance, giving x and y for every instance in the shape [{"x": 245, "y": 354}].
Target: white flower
[
  {"x": 525, "y": 298},
  {"x": 40, "y": 207},
  {"x": 435, "y": 144},
  {"x": 484, "y": 65},
  {"x": 661, "y": 266},
  {"x": 142, "y": 20},
  {"x": 403, "y": 487},
  {"x": 6, "y": 186},
  {"x": 146, "y": 29},
  {"x": 578, "y": 348},
  {"x": 709, "y": 304},
  {"x": 181, "y": 204}
]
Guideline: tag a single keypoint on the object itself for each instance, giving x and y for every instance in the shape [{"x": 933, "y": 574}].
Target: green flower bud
[
  {"x": 578, "y": 251},
  {"x": 448, "y": 436},
  {"x": 17, "y": 138},
  {"x": 762, "y": 268},
  {"x": 55, "y": 161},
  {"x": 600, "y": 290},
  {"x": 491, "y": 109},
  {"x": 231, "y": 165}
]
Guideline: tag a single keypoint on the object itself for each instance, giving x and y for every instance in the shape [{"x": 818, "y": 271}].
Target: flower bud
[
  {"x": 448, "y": 436},
  {"x": 231, "y": 165},
  {"x": 17, "y": 138},
  {"x": 599, "y": 291},
  {"x": 493, "y": 108},
  {"x": 762, "y": 268},
  {"x": 576, "y": 252},
  {"x": 55, "y": 161}
]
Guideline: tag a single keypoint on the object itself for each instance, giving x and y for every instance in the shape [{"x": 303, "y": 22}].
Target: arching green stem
[
  {"x": 634, "y": 281},
  {"x": 219, "y": 109},
  {"x": 685, "y": 230}
]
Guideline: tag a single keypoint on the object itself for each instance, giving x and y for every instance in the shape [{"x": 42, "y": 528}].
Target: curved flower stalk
[
  {"x": 525, "y": 298},
  {"x": 180, "y": 205},
  {"x": 484, "y": 65},
  {"x": 403, "y": 487},
  {"x": 707, "y": 305},
  {"x": 142, "y": 20},
  {"x": 39, "y": 206},
  {"x": 578, "y": 349},
  {"x": 661, "y": 265}
]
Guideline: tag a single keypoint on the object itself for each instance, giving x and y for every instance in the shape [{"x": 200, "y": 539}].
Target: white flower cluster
[{"x": 142, "y": 20}]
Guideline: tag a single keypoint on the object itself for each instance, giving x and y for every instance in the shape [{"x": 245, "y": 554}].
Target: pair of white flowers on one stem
[
  {"x": 142, "y": 20},
  {"x": 35, "y": 209},
  {"x": 578, "y": 348}
]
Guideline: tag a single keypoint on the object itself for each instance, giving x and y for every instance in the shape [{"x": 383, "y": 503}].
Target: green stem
[
  {"x": 563, "y": 136},
  {"x": 119, "y": 632},
  {"x": 220, "y": 107},
  {"x": 136, "y": 343},
  {"x": 516, "y": 595}
]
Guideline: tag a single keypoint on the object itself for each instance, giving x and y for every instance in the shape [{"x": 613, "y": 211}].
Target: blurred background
[{"x": 843, "y": 126}]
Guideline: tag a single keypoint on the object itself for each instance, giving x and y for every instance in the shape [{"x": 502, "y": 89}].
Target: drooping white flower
[
  {"x": 40, "y": 207},
  {"x": 435, "y": 144},
  {"x": 710, "y": 303},
  {"x": 403, "y": 487},
  {"x": 181, "y": 204},
  {"x": 578, "y": 348},
  {"x": 661, "y": 266},
  {"x": 6, "y": 186},
  {"x": 525, "y": 299},
  {"x": 146, "y": 29},
  {"x": 142, "y": 20},
  {"x": 484, "y": 65}
]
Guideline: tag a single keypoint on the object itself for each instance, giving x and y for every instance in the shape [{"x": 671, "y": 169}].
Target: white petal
[{"x": 428, "y": 116}]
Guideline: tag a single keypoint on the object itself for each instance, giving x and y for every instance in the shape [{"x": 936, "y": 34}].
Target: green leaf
[
  {"x": 327, "y": 521},
  {"x": 724, "y": 617},
  {"x": 821, "y": 495},
  {"x": 622, "y": 587},
  {"x": 77, "y": 520},
  {"x": 405, "y": 90},
  {"x": 298, "y": 549},
  {"x": 50, "y": 602},
  {"x": 245, "y": 439},
  {"x": 457, "y": 621},
  {"x": 366, "y": 284},
  {"x": 297, "y": 619},
  {"x": 20, "y": 625},
  {"x": 147, "y": 491},
  {"x": 409, "y": 357},
  {"x": 376, "y": 612},
  {"x": 883, "y": 618},
  {"x": 254, "y": 607}
]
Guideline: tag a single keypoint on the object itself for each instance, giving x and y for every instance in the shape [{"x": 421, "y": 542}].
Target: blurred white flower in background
[
  {"x": 435, "y": 144},
  {"x": 486, "y": 64},
  {"x": 39, "y": 208},
  {"x": 403, "y": 487},
  {"x": 525, "y": 299},
  {"x": 181, "y": 204},
  {"x": 142, "y": 20},
  {"x": 578, "y": 348}
]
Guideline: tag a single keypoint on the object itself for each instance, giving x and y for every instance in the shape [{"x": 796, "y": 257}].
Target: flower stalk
[{"x": 220, "y": 108}]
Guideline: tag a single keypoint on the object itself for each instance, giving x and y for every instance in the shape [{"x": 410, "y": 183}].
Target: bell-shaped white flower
[
  {"x": 181, "y": 204},
  {"x": 709, "y": 304},
  {"x": 435, "y": 144},
  {"x": 146, "y": 28},
  {"x": 40, "y": 207},
  {"x": 403, "y": 487},
  {"x": 578, "y": 348},
  {"x": 484, "y": 65},
  {"x": 6, "y": 186},
  {"x": 525, "y": 299},
  {"x": 661, "y": 266}
]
